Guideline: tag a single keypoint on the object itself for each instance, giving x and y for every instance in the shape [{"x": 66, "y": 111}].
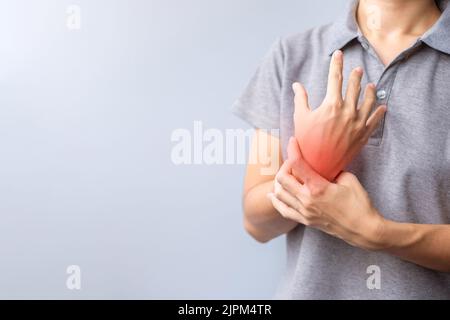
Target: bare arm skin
[
  {"x": 261, "y": 220},
  {"x": 423, "y": 244}
]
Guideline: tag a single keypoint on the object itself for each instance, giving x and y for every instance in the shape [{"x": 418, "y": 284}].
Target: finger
[
  {"x": 301, "y": 97},
  {"x": 368, "y": 103},
  {"x": 289, "y": 183},
  {"x": 282, "y": 208},
  {"x": 287, "y": 198},
  {"x": 375, "y": 119},
  {"x": 346, "y": 179},
  {"x": 295, "y": 189},
  {"x": 286, "y": 167},
  {"x": 286, "y": 211},
  {"x": 351, "y": 181},
  {"x": 334, "y": 89},
  {"x": 354, "y": 88}
]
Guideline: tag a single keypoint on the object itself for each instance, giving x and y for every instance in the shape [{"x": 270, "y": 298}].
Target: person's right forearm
[{"x": 261, "y": 220}]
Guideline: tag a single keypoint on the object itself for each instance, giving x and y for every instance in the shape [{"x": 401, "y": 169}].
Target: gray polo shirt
[{"x": 405, "y": 167}]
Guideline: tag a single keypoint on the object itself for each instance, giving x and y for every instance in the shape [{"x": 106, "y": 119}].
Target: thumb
[{"x": 347, "y": 179}]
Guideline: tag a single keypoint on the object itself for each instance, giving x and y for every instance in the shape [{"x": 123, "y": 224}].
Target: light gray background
[{"x": 85, "y": 125}]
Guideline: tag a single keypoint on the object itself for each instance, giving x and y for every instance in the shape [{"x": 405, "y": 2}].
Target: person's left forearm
[{"x": 423, "y": 244}]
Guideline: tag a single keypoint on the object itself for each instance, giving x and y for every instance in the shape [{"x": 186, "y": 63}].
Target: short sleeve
[{"x": 259, "y": 104}]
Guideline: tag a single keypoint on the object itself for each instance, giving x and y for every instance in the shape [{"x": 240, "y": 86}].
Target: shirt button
[
  {"x": 365, "y": 45},
  {"x": 381, "y": 94}
]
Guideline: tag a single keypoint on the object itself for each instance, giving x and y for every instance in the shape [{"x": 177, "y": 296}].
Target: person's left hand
[
  {"x": 331, "y": 135},
  {"x": 342, "y": 209}
]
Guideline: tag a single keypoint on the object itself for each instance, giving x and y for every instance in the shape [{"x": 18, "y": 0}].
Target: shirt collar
[
  {"x": 438, "y": 37},
  {"x": 346, "y": 29}
]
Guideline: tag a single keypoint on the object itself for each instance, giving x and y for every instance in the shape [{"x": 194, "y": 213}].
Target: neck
[{"x": 379, "y": 18}]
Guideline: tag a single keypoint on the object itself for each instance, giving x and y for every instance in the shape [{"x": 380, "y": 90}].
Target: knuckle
[
  {"x": 354, "y": 79},
  {"x": 347, "y": 177},
  {"x": 297, "y": 207},
  {"x": 356, "y": 87},
  {"x": 350, "y": 114},
  {"x": 298, "y": 195},
  {"x": 344, "y": 175},
  {"x": 370, "y": 98},
  {"x": 317, "y": 191},
  {"x": 335, "y": 101},
  {"x": 352, "y": 177},
  {"x": 307, "y": 204}
]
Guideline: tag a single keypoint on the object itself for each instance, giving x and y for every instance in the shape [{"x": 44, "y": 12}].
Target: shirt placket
[
  {"x": 384, "y": 89},
  {"x": 385, "y": 83}
]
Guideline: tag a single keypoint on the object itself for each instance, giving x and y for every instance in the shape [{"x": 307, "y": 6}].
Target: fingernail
[
  {"x": 295, "y": 86},
  {"x": 338, "y": 54},
  {"x": 359, "y": 70}
]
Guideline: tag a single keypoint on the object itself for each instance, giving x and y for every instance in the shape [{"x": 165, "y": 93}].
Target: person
[{"x": 380, "y": 229}]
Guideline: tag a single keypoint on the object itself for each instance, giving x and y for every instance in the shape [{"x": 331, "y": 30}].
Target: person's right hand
[{"x": 333, "y": 134}]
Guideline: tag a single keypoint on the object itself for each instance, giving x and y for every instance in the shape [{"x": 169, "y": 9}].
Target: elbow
[
  {"x": 255, "y": 233},
  {"x": 252, "y": 212}
]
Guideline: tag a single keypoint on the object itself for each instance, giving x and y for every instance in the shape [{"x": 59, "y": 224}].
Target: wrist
[
  {"x": 378, "y": 236},
  {"x": 395, "y": 236},
  {"x": 398, "y": 236},
  {"x": 382, "y": 235}
]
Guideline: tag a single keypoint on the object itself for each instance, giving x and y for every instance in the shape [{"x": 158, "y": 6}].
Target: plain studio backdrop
[{"x": 86, "y": 118}]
